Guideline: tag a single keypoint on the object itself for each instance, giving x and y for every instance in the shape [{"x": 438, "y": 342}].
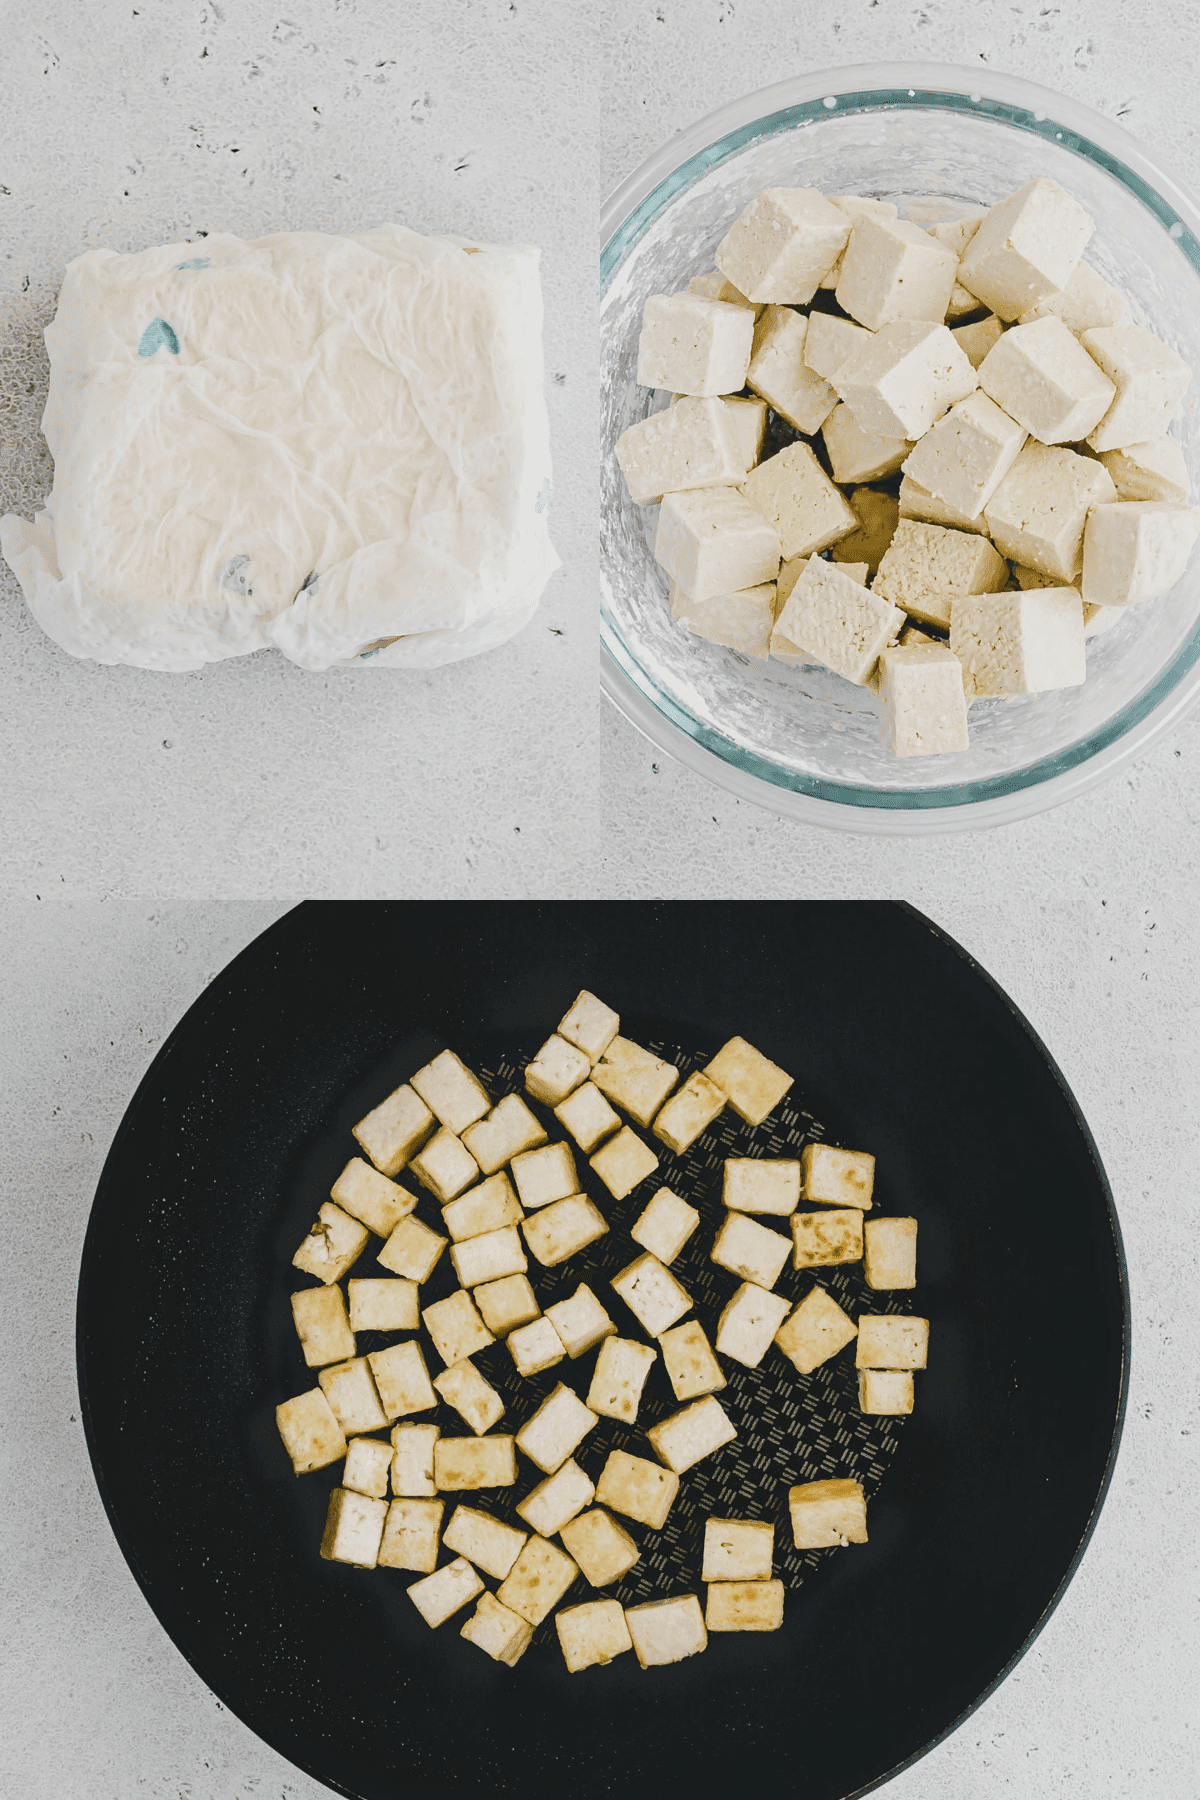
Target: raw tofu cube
[
  {"x": 412, "y": 1461},
  {"x": 924, "y": 563},
  {"x": 368, "y": 1461},
  {"x": 766, "y": 1184},
  {"x": 890, "y": 1253},
  {"x": 350, "y": 1391},
  {"x": 590, "y": 1025},
  {"x": 744, "y": 1606},
  {"x": 855, "y": 207},
  {"x": 402, "y": 1378},
  {"x": 749, "y": 1322},
  {"x": 652, "y": 1294},
  {"x": 922, "y": 706},
  {"x": 603, "y": 1550},
  {"x": 781, "y": 246},
  {"x": 829, "y": 341},
  {"x": 780, "y": 375},
  {"x": 904, "y": 378},
  {"x": 580, "y": 1321},
  {"x": 750, "y": 1081},
  {"x": 558, "y": 1231},
  {"x": 556, "y": 1430},
  {"x": 384, "y": 1305},
  {"x": 446, "y": 1592},
  {"x": 537, "y": 1580},
  {"x": 353, "y": 1528},
  {"x": 715, "y": 286},
  {"x": 746, "y": 417},
  {"x": 509, "y": 1128},
  {"x": 1037, "y": 514},
  {"x": 887, "y": 1391},
  {"x": 917, "y": 503},
  {"x": 961, "y": 304},
  {"x": 593, "y": 1633},
  {"x": 555, "y": 1071},
  {"x": 693, "y": 345},
  {"x": 794, "y": 494},
  {"x": 506, "y": 1304},
  {"x": 976, "y": 340},
  {"x": 1136, "y": 550},
  {"x": 698, "y": 1102},
  {"x": 691, "y": 1434},
  {"x": 619, "y": 1377},
  {"x": 445, "y": 1166},
  {"x": 634, "y": 1079},
  {"x": 894, "y": 270},
  {"x": 1046, "y": 381},
  {"x": 878, "y": 516},
  {"x": 311, "y": 1434},
  {"x": 740, "y": 621},
  {"x": 748, "y": 1249},
  {"x": 554, "y": 1502},
  {"x": 545, "y": 1175},
  {"x": 641, "y": 1490},
  {"x": 588, "y": 1117},
  {"x": 492, "y": 1546},
  {"x": 1084, "y": 303},
  {"x": 623, "y": 1163},
  {"x": 473, "y": 1398},
  {"x": 691, "y": 1367},
  {"x": 535, "y": 1347},
  {"x": 737, "y": 1550},
  {"x": 489, "y": 1206},
  {"x": 410, "y": 1535},
  {"x": 333, "y": 1245},
  {"x": 966, "y": 456},
  {"x": 500, "y": 1633},
  {"x": 474, "y": 1462},
  {"x": 858, "y": 452},
  {"x": 370, "y": 1197},
  {"x": 789, "y": 575},
  {"x": 892, "y": 1341},
  {"x": 1149, "y": 378},
  {"x": 456, "y": 1328},
  {"x": 666, "y": 1631},
  {"x": 1022, "y": 643},
  {"x": 321, "y": 1324},
  {"x": 828, "y": 1513},
  {"x": 820, "y": 1239},
  {"x": 817, "y": 1329},
  {"x": 412, "y": 1250},
  {"x": 450, "y": 1091},
  {"x": 1155, "y": 470},
  {"x": 1025, "y": 248},
  {"x": 666, "y": 1225},
  {"x": 693, "y": 444},
  {"x": 713, "y": 541},
  {"x": 489, "y": 1257},
  {"x": 395, "y": 1130}
]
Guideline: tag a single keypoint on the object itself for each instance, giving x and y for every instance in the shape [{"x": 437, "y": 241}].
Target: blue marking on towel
[
  {"x": 543, "y": 499},
  {"x": 197, "y": 262},
  {"x": 236, "y": 575},
  {"x": 158, "y": 332}
]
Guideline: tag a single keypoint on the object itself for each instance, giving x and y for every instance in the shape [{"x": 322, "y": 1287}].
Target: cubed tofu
[
  {"x": 749, "y": 1322},
  {"x": 476, "y": 1462},
  {"x": 471, "y": 1395},
  {"x": 353, "y": 1528},
  {"x": 885, "y": 1391},
  {"x": 817, "y": 1330},
  {"x": 855, "y": 207},
  {"x": 917, "y": 503},
  {"x": 666, "y": 1631},
  {"x": 692, "y": 444},
  {"x": 554, "y": 1502},
  {"x": 713, "y": 541},
  {"x": 1084, "y": 303},
  {"x": 535, "y": 1347},
  {"x": 452, "y": 1093},
  {"x": 925, "y": 563},
  {"x": 761, "y": 1184},
  {"x": 311, "y": 1433},
  {"x": 738, "y": 1550},
  {"x": 588, "y": 1117},
  {"x": 410, "y": 1535},
  {"x": 333, "y": 1245},
  {"x": 750, "y": 1250},
  {"x": 384, "y": 1305},
  {"x": 590, "y": 1025},
  {"x": 1019, "y": 643},
  {"x": 1136, "y": 550},
  {"x": 831, "y": 619},
  {"x": 556, "y": 1070},
  {"x": 1155, "y": 470},
  {"x": 456, "y": 1328},
  {"x": 602, "y": 1549},
  {"x": 319, "y": 1315},
  {"x": 858, "y": 452},
  {"x": 834, "y": 1177},
  {"x": 488, "y": 1543},
  {"x": 878, "y": 516},
  {"x": 558, "y": 1231},
  {"x": 402, "y": 1378},
  {"x": 537, "y": 1580},
  {"x": 652, "y": 1294},
  {"x": 890, "y": 1253},
  {"x": 580, "y": 1321},
  {"x": 827, "y": 1513},
  {"x": 489, "y": 1206},
  {"x": 371, "y": 1198},
  {"x": 394, "y": 1131},
  {"x": 782, "y": 244},
  {"x": 509, "y": 1129},
  {"x": 894, "y": 270},
  {"x": 1025, "y": 248},
  {"x": 489, "y": 1257},
  {"x": 623, "y": 1163},
  {"x": 445, "y": 1592},
  {"x": 1037, "y": 514},
  {"x": 922, "y": 702},
  {"x": 693, "y": 345},
  {"x": 556, "y": 1430},
  {"x": 368, "y": 1461},
  {"x": 977, "y": 339},
  {"x": 640, "y": 1489},
  {"x": 892, "y": 1341},
  {"x": 412, "y": 1461},
  {"x": 750, "y": 1081},
  {"x": 619, "y": 1377},
  {"x": 829, "y": 341},
  {"x": 904, "y": 378},
  {"x": 781, "y": 647},
  {"x": 445, "y": 1166},
  {"x": 350, "y": 1390},
  {"x": 694, "y": 1432},
  {"x": 744, "y": 1606},
  {"x": 413, "y": 1250},
  {"x": 545, "y": 1175},
  {"x": 1150, "y": 382},
  {"x": 779, "y": 374},
  {"x": 967, "y": 454},
  {"x": 592, "y": 1634},
  {"x": 506, "y": 1304},
  {"x": 715, "y": 286},
  {"x": 1044, "y": 379},
  {"x": 666, "y": 1225},
  {"x": 699, "y": 1101},
  {"x": 634, "y": 1079},
  {"x": 746, "y": 417},
  {"x": 820, "y": 1239},
  {"x": 691, "y": 1367},
  {"x": 798, "y": 500}
]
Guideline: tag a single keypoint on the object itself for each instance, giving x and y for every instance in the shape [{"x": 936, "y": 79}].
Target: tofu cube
[
  {"x": 917, "y": 503},
  {"x": 350, "y": 1391},
  {"x": 537, "y": 1580},
  {"x": 580, "y": 1321},
  {"x": 666, "y": 1631},
  {"x": 623, "y": 1163},
  {"x": 894, "y": 270},
  {"x": 693, "y": 444},
  {"x": 545, "y": 1175},
  {"x": 892, "y": 1341},
  {"x": 590, "y": 1025},
  {"x": 558, "y": 1231},
  {"x": 410, "y": 1535},
  {"x": 737, "y": 1550},
  {"x": 749, "y": 1322},
  {"x": 556, "y": 1070},
  {"x": 384, "y": 1305},
  {"x": 445, "y": 1592},
  {"x": 412, "y": 1461},
  {"x": 904, "y": 378},
  {"x": 750, "y": 1081},
  {"x": 488, "y": 1543},
  {"x": 333, "y": 1245},
  {"x": 834, "y": 1177},
  {"x": 395, "y": 1130},
  {"x": 795, "y": 496},
  {"x": 689, "y": 1435},
  {"x": 588, "y": 1117},
  {"x": 1155, "y": 470},
  {"x": 886, "y": 1391},
  {"x": 863, "y": 551},
  {"x": 789, "y": 575},
  {"x": 827, "y": 1513},
  {"x": 742, "y": 621},
  {"x": 652, "y": 1294},
  {"x": 820, "y": 1239},
  {"x": 855, "y": 207},
  {"x": 489, "y": 1257},
  {"x": 713, "y": 541},
  {"x": 368, "y": 1461},
  {"x": 746, "y": 417},
  {"x": 976, "y": 340},
  {"x": 640, "y": 1489},
  {"x": 1019, "y": 643},
  {"x": 779, "y": 374},
  {"x": 489, "y": 1206},
  {"x": 509, "y": 1129},
  {"x": 1037, "y": 514},
  {"x": 371, "y": 1198},
  {"x": 782, "y": 244},
  {"x": 445, "y": 1166},
  {"x": 473, "y": 1397},
  {"x": 698, "y": 1102},
  {"x": 634, "y": 1079},
  {"x": 926, "y": 563},
  {"x": 505, "y": 1304},
  {"x": 413, "y": 1250},
  {"x": 744, "y": 1606},
  {"x": 311, "y": 1434},
  {"x": 691, "y": 1367},
  {"x": 749, "y": 1250},
  {"x": 1136, "y": 550},
  {"x": 402, "y": 1379},
  {"x": 715, "y": 286},
  {"x": 602, "y": 1549},
  {"x": 762, "y": 1184},
  {"x": 922, "y": 704},
  {"x": 692, "y": 345},
  {"x": 829, "y": 341},
  {"x": 858, "y": 452},
  {"x": 1150, "y": 382},
  {"x": 502, "y": 1634},
  {"x": 453, "y": 1095},
  {"x": 1084, "y": 303},
  {"x": 535, "y": 1347},
  {"x": 890, "y": 1253},
  {"x": 462, "y": 1463},
  {"x": 554, "y": 1502},
  {"x": 817, "y": 1330},
  {"x": 1025, "y": 248},
  {"x": 592, "y": 1634},
  {"x": 619, "y": 1377},
  {"x": 456, "y": 1328},
  {"x": 556, "y": 1430},
  {"x": 967, "y": 454},
  {"x": 666, "y": 1225},
  {"x": 353, "y": 1528},
  {"x": 319, "y": 1315},
  {"x": 1045, "y": 380}
]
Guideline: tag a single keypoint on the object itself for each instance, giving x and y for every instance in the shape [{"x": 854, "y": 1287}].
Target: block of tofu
[
  {"x": 779, "y": 374},
  {"x": 413, "y": 1250},
  {"x": 535, "y": 1347},
  {"x": 819, "y": 1239},
  {"x": 555, "y": 1501},
  {"x": 592, "y": 1634},
  {"x": 1044, "y": 379},
  {"x": 794, "y": 494},
  {"x": 558, "y": 1231},
  {"x": 623, "y": 1163},
  {"x": 509, "y": 1129},
  {"x": 857, "y": 452},
  {"x": 855, "y": 206},
  {"x": 714, "y": 286},
  {"x": 1087, "y": 301},
  {"x": 634, "y": 1079},
  {"x": 410, "y": 1535},
  {"x": 556, "y": 1071},
  {"x": 556, "y": 1430},
  {"x": 545, "y": 1175},
  {"x": 1149, "y": 378},
  {"x": 350, "y": 1390},
  {"x": 744, "y": 1606},
  {"x": 749, "y": 1322},
  {"x": 590, "y": 1025},
  {"x": 960, "y": 305},
  {"x": 922, "y": 705},
  {"x": 829, "y": 341},
  {"x": 1155, "y": 470},
  {"x": 353, "y": 1528},
  {"x": 878, "y": 515},
  {"x": 699, "y": 1101},
  {"x": 666, "y": 1631},
  {"x": 370, "y": 1197},
  {"x": 537, "y": 1580},
  {"x": 402, "y": 1378},
  {"x": 666, "y": 1225},
  {"x": 737, "y": 1550},
  {"x": 489, "y": 1206},
  {"x": 817, "y": 1330},
  {"x": 505, "y": 1304},
  {"x": 498, "y": 1631},
  {"x": 761, "y": 1184},
  {"x": 894, "y": 270},
  {"x": 925, "y": 563},
  {"x": 452, "y": 1093},
  {"x": 445, "y": 1592},
  {"x": 460, "y": 1463},
  {"x": 691, "y": 1367},
  {"x": 368, "y": 1461},
  {"x": 456, "y": 1328},
  {"x": 782, "y": 244},
  {"x": 693, "y": 444},
  {"x": 891, "y": 1341},
  {"x": 967, "y": 454},
  {"x": 488, "y": 1543},
  {"x": 748, "y": 1249},
  {"x": 580, "y": 1321},
  {"x": 1136, "y": 549},
  {"x": 444, "y": 1166},
  {"x": 750, "y": 1081},
  {"x": 333, "y": 1245},
  {"x": 394, "y": 1131},
  {"x": 602, "y": 1549},
  {"x": 693, "y": 345},
  {"x": 473, "y": 1397},
  {"x": 890, "y": 1253},
  {"x": 489, "y": 1257},
  {"x": 1025, "y": 248},
  {"x": 746, "y": 415},
  {"x": 588, "y": 1117},
  {"x": 384, "y": 1305},
  {"x": 828, "y": 1513},
  {"x": 834, "y": 1177},
  {"x": 642, "y": 1490},
  {"x": 976, "y": 339},
  {"x": 687, "y": 1436},
  {"x": 888, "y": 1391},
  {"x": 619, "y": 1377},
  {"x": 311, "y": 1434},
  {"x": 1019, "y": 643},
  {"x": 917, "y": 502},
  {"x": 789, "y": 575},
  {"x": 904, "y": 378},
  {"x": 713, "y": 541},
  {"x": 412, "y": 1461},
  {"x": 319, "y": 1315},
  {"x": 1037, "y": 514},
  {"x": 652, "y": 1294}
]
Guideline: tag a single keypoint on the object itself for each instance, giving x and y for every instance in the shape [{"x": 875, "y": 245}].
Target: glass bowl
[{"x": 802, "y": 741}]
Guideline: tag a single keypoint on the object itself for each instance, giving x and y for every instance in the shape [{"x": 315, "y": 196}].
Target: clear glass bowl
[{"x": 801, "y": 741}]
